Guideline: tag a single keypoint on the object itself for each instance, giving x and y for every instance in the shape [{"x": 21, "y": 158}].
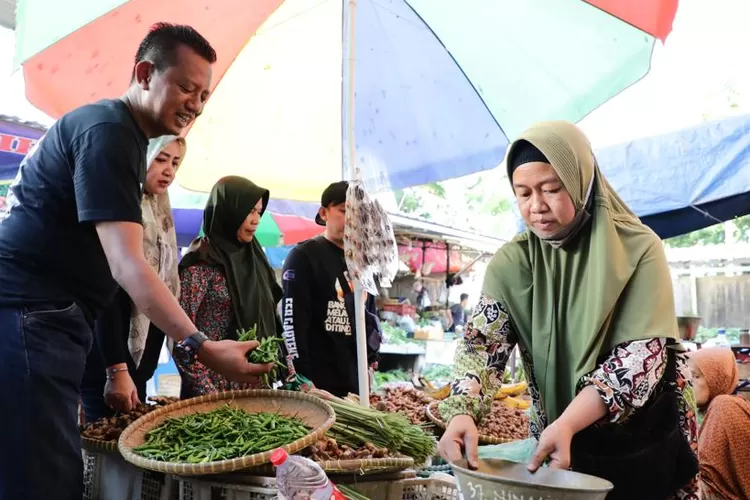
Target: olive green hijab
[
  {"x": 571, "y": 304},
  {"x": 250, "y": 278}
]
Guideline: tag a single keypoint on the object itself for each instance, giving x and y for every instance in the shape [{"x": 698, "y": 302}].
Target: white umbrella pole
[{"x": 359, "y": 294}]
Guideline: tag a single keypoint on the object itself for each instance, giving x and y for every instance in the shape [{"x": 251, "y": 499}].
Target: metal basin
[{"x": 502, "y": 480}]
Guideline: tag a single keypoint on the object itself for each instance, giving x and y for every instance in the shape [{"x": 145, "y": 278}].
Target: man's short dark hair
[
  {"x": 464, "y": 296},
  {"x": 160, "y": 45}
]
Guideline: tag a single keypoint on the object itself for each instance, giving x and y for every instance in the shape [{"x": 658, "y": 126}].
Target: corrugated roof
[
  {"x": 19, "y": 121},
  {"x": 8, "y": 14}
]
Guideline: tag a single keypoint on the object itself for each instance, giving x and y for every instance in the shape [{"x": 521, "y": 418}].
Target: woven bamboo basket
[
  {"x": 314, "y": 412},
  {"x": 433, "y": 413},
  {"x": 98, "y": 446},
  {"x": 367, "y": 466},
  {"x": 362, "y": 467}
]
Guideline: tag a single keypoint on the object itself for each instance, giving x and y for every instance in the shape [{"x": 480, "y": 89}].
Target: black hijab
[{"x": 250, "y": 278}]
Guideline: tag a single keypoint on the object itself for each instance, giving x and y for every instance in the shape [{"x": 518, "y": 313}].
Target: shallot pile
[
  {"x": 327, "y": 449},
  {"x": 404, "y": 400},
  {"x": 504, "y": 422},
  {"x": 110, "y": 428}
]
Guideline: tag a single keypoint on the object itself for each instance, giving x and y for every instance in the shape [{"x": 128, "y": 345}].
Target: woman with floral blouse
[
  {"x": 226, "y": 281},
  {"x": 585, "y": 293}
]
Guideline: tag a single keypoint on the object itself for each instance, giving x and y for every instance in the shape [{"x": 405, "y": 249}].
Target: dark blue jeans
[{"x": 42, "y": 356}]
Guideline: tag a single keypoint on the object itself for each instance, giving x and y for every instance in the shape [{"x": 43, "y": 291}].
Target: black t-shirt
[
  {"x": 89, "y": 167},
  {"x": 316, "y": 308},
  {"x": 459, "y": 316}
]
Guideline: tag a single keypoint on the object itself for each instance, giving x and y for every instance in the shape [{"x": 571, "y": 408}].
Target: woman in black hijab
[{"x": 226, "y": 281}]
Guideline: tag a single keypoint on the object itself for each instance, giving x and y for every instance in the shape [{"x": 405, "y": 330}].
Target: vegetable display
[
  {"x": 435, "y": 372},
  {"x": 266, "y": 352},
  {"x": 357, "y": 426},
  {"x": 406, "y": 401},
  {"x": 394, "y": 335},
  {"x": 328, "y": 449},
  {"x": 222, "y": 434},
  {"x": 389, "y": 377},
  {"x": 503, "y": 422},
  {"x": 110, "y": 428}
]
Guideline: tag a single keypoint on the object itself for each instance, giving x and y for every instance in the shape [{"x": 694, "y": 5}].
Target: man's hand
[
  {"x": 460, "y": 435},
  {"x": 120, "y": 392},
  {"x": 229, "y": 358},
  {"x": 555, "y": 444}
]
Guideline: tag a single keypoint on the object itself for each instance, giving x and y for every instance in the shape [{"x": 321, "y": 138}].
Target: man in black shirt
[
  {"x": 318, "y": 304},
  {"x": 71, "y": 233},
  {"x": 458, "y": 312}
]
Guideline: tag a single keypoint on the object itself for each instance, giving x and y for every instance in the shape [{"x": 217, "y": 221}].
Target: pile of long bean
[
  {"x": 266, "y": 352},
  {"x": 356, "y": 426},
  {"x": 222, "y": 434}
]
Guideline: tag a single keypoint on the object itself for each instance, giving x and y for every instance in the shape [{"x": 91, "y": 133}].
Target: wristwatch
[{"x": 185, "y": 352}]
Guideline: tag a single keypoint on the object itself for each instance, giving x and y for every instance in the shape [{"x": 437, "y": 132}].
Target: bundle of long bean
[
  {"x": 222, "y": 434},
  {"x": 356, "y": 426},
  {"x": 266, "y": 352}
]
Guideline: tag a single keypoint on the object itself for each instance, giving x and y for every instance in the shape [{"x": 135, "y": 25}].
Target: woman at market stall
[
  {"x": 585, "y": 293},
  {"x": 723, "y": 451},
  {"x": 226, "y": 281},
  {"x": 127, "y": 345}
]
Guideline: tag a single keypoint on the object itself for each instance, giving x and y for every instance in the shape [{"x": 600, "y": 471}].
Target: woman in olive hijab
[
  {"x": 585, "y": 293},
  {"x": 226, "y": 281}
]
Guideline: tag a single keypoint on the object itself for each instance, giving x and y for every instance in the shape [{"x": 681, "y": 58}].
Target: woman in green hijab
[
  {"x": 585, "y": 293},
  {"x": 226, "y": 281}
]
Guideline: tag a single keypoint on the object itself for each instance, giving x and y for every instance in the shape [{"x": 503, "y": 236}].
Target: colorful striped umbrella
[
  {"x": 440, "y": 85},
  {"x": 274, "y": 229}
]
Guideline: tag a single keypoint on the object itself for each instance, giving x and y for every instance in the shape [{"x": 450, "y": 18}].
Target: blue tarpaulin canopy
[{"x": 686, "y": 180}]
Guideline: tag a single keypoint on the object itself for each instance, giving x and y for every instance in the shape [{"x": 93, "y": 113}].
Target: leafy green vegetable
[
  {"x": 383, "y": 378},
  {"x": 394, "y": 334},
  {"x": 434, "y": 372}
]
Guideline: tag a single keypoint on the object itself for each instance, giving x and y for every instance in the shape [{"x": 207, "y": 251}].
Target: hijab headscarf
[
  {"x": 159, "y": 245},
  {"x": 604, "y": 282},
  {"x": 250, "y": 278},
  {"x": 723, "y": 453},
  {"x": 719, "y": 368}
]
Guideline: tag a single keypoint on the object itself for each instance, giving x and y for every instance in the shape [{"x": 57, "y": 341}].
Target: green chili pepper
[
  {"x": 221, "y": 434},
  {"x": 267, "y": 352}
]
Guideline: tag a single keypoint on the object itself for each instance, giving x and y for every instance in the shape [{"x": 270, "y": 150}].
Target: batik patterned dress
[
  {"x": 206, "y": 300},
  {"x": 625, "y": 380}
]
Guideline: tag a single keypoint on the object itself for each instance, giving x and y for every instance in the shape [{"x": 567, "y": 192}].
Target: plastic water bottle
[
  {"x": 721, "y": 338},
  {"x": 299, "y": 478}
]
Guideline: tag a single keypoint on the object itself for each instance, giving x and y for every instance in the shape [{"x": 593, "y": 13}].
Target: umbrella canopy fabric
[
  {"x": 685, "y": 180},
  {"x": 274, "y": 229},
  {"x": 440, "y": 85}
]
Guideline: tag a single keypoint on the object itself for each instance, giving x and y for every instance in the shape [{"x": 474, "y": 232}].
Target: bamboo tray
[
  {"x": 358, "y": 467},
  {"x": 314, "y": 412},
  {"x": 367, "y": 466},
  {"x": 98, "y": 446}
]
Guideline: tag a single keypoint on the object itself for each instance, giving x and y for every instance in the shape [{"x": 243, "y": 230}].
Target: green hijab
[
  {"x": 571, "y": 304},
  {"x": 250, "y": 278}
]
